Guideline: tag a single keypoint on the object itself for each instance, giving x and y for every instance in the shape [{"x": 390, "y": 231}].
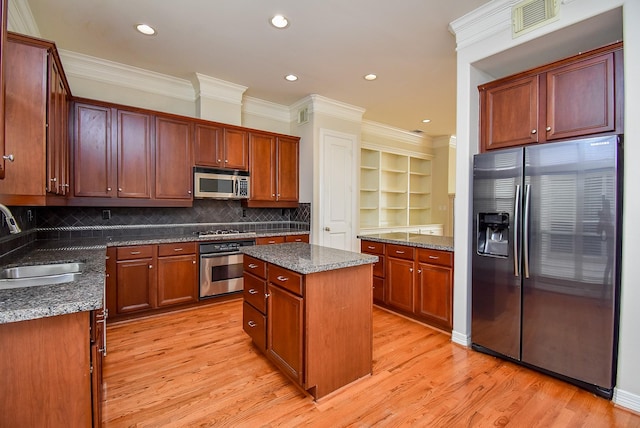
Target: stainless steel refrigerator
[{"x": 546, "y": 255}]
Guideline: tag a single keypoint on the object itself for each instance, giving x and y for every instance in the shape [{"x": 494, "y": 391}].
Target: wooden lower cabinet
[
  {"x": 376, "y": 249},
  {"x": 417, "y": 282},
  {"x": 318, "y": 326},
  {"x": 149, "y": 277},
  {"x": 266, "y": 240},
  {"x": 47, "y": 378}
]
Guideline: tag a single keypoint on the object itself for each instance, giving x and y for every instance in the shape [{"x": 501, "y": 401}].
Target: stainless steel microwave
[{"x": 220, "y": 183}]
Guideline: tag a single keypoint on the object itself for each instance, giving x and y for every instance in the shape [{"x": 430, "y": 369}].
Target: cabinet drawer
[
  {"x": 176, "y": 248},
  {"x": 372, "y": 247},
  {"x": 255, "y": 266},
  {"x": 286, "y": 279},
  {"x": 134, "y": 252},
  {"x": 400, "y": 251},
  {"x": 297, "y": 238},
  {"x": 270, "y": 240},
  {"x": 254, "y": 292},
  {"x": 436, "y": 257},
  {"x": 254, "y": 324}
]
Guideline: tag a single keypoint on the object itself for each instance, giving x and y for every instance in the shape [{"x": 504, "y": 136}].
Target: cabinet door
[
  {"x": 378, "y": 289},
  {"x": 285, "y": 331},
  {"x": 288, "y": 170},
  {"x": 25, "y": 113},
  {"x": 509, "y": 114},
  {"x": 3, "y": 38},
  {"x": 434, "y": 293},
  {"x": 580, "y": 98},
  {"x": 174, "y": 164},
  {"x": 236, "y": 149},
  {"x": 57, "y": 174},
  {"x": 207, "y": 141},
  {"x": 177, "y": 280},
  {"x": 135, "y": 286},
  {"x": 135, "y": 167},
  {"x": 262, "y": 153},
  {"x": 94, "y": 156},
  {"x": 400, "y": 283}
]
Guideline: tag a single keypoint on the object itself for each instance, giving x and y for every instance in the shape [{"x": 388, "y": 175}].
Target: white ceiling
[{"x": 330, "y": 45}]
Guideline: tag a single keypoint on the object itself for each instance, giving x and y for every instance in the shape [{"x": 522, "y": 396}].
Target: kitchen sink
[{"x": 34, "y": 275}]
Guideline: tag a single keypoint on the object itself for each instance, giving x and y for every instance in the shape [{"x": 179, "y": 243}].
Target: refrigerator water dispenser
[{"x": 493, "y": 234}]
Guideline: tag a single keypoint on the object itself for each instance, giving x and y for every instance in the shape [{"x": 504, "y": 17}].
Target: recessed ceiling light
[
  {"x": 426, "y": 120},
  {"x": 280, "y": 21},
  {"x": 146, "y": 29},
  {"x": 370, "y": 76},
  {"x": 291, "y": 77}
]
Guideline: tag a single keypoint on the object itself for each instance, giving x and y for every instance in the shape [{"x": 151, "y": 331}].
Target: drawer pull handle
[
  {"x": 252, "y": 324},
  {"x": 252, "y": 266},
  {"x": 133, "y": 253},
  {"x": 371, "y": 247},
  {"x": 434, "y": 257},
  {"x": 282, "y": 278},
  {"x": 399, "y": 252},
  {"x": 253, "y": 291},
  {"x": 177, "y": 249}
]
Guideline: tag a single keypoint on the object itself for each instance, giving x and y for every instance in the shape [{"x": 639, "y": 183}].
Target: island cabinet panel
[
  {"x": 379, "y": 270},
  {"x": 46, "y": 372},
  {"x": 254, "y": 309},
  {"x": 285, "y": 329}
]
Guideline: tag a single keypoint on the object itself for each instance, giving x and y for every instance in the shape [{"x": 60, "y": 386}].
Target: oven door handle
[{"x": 213, "y": 255}]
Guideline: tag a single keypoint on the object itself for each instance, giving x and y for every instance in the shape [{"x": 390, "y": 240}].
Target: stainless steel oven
[{"x": 221, "y": 267}]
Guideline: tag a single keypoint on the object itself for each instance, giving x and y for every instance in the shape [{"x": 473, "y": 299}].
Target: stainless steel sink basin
[{"x": 33, "y": 275}]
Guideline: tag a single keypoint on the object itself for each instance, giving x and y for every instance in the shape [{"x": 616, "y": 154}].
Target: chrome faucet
[{"x": 11, "y": 222}]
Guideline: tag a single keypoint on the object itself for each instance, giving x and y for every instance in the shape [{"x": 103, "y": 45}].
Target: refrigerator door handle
[
  {"x": 525, "y": 229},
  {"x": 516, "y": 243}
]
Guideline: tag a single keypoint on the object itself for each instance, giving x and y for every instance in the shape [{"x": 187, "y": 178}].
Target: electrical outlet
[{"x": 106, "y": 214}]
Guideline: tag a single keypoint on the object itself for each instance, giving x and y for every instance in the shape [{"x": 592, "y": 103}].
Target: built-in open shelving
[{"x": 395, "y": 188}]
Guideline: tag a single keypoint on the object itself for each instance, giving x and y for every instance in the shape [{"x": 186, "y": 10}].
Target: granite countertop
[
  {"x": 432, "y": 242},
  {"x": 83, "y": 294},
  {"x": 307, "y": 258},
  {"x": 87, "y": 292}
]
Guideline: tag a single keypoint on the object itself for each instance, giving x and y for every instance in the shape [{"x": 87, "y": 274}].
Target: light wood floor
[{"x": 198, "y": 368}]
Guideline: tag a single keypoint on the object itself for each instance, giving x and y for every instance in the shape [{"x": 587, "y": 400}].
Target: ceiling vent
[
  {"x": 531, "y": 14},
  {"x": 303, "y": 115}
]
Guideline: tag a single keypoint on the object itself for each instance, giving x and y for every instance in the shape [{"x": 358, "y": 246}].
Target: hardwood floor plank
[{"x": 197, "y": 368}]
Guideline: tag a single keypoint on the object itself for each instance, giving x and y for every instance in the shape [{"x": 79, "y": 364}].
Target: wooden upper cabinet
[
  {"x": 221, "y": 147},
  {"x": 580, "y": 98},
  {"x": 262, "y": 161},
  {"x": 94, "y": 162},
  {"x": 575, "y": 97},
  {"x": 134, "y": 148},
  {"x": 57, "y": 132},
  {"x": 288, "y": 170},
  {"x": 174, "y": 159},
  {"x": 3, "y": 38},
  {"x": 274, "y": 171},
  {"x": 509, "y": 113}
]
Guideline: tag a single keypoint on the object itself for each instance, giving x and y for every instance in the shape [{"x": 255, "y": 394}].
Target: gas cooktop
[{"x": 222, "y": 233}]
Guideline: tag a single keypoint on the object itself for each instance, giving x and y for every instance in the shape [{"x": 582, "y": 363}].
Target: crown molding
[
  {"x": 217, "y": 89},
  {"x": 20, "y": 19},
  {"x": 329, "y": 107},
  {"x": 101, "y": 70},
  {"x": 396, "y": 150},
  {"x": 396, "y": 134},
  {"x": 487, "y": 20},
  {"x": 266, "y": 109}
]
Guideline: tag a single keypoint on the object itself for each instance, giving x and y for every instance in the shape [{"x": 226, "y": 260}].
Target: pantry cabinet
[
  {"x": 578, "y": 96},
  {"x": 36, "y": 143}
]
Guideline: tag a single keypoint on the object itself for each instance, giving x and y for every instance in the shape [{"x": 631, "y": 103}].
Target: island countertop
[
  {"x": 306, "y": 258},
  {"x": 444, "y": 243}
]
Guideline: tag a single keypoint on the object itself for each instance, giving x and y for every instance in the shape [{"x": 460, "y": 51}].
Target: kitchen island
[{"x": 309, "y": 309}]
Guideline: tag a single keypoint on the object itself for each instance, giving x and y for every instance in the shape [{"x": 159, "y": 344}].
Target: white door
[{"x": 337, "y": 200}]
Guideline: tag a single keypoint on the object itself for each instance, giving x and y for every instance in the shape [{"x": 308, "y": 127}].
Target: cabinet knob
[
  {"x": 410, "y": 269},
  {"x": 108, "y": 189},
  {"x": 54, "y": 179},
  {"x": 189, "y": 192},
  {"x": 419, "y": 270},
  {"x": 194, "y": 262},
  {"x": 273, "y": 195},
  {"x": 226, "y": 161},
  {"x": 533, "y": 131},
  {"x": 10, "y": 158},
  {"x": 219, "y": 160},
  {"x": 150, "y": 266},
  {"x": 548, "y": 128},
  {"x": 119, "y": 189}
]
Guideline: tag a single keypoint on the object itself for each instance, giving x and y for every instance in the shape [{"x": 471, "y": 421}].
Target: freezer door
[
  {"x": 496, "y": 276},
  {"x": 569, "y": 259}
]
